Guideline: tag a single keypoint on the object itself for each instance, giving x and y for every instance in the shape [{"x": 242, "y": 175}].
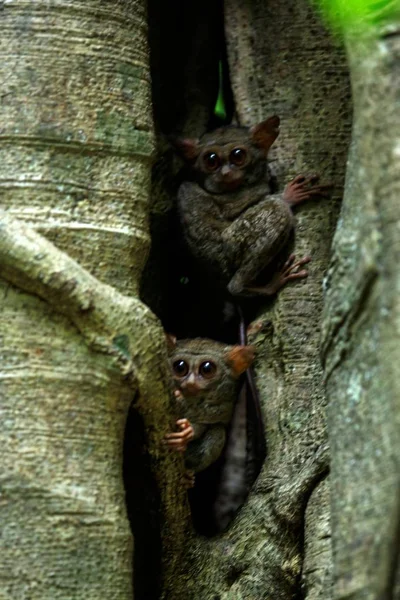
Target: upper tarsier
[
  {"x": 232, "y": 223},
  {"x": 206, "y": 375}
]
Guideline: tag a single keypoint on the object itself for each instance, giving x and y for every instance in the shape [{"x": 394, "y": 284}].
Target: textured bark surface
[
  {"x": 362, "y": 326},
  {"x": 76, "y": 145},
  {"x": 316, "y": 577}
]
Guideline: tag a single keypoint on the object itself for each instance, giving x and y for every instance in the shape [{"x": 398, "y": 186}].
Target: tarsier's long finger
[
  {"x": 326, "y": 186},
  {"x": 307, "y": 194},
  {"x": 176, "y": 435},
  {"x": 302, "y": 180},
  {"x": 289, "y": 261},
  {"x": 298, "y": 275},
  {"x": 189, "y": 479},
  {"x": 290, "y": 264},
  {"x": 301, "y": 262},
  {"x": 181, "y": 438},
  {"x": 320, "y": 189},
  {"x": 177, "y": 445},
  {"x": 297, "y": 179},
  {"x": 175, "y": 442}
]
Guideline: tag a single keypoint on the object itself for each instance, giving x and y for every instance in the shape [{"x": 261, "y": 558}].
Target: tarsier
[
  {"x": 232, "y": 223},
  {"x": 206, "y": 375}
]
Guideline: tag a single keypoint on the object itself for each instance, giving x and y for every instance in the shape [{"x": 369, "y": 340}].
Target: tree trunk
[
  {"x": 361, "y": 324},
  {"x": 76, "y": 151}
]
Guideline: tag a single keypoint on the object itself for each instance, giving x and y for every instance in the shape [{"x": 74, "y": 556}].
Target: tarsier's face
[
  {"x": 230, "y": 157},
  {"x": 195, "y": 374},
  {"x": 202, "y": 367},
  {"x": 228, "y": 166}
]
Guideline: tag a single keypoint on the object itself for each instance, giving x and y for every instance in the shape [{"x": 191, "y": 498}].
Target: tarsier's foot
[
  {"x": 189, "y": 479},
  {"x": 178, "y": 441},
  {"x": 254, "y": 328},
  {"x": 289, "y": 271},
  {"x": 303, "y": 188}
]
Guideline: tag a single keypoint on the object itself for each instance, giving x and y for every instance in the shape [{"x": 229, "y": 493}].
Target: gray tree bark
[
  {"x": 361, "y": 324},
  {"x": 77, "y": 346}
]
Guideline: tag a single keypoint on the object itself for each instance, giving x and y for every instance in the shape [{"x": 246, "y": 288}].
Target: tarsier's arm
[
  {"x": 201, "y": 453},
  {"x": 199, "y": 212}
]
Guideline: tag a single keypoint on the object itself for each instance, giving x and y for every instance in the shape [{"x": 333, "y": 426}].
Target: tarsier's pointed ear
[
  {"x": 187, "y": 148},
  {"x": 240, "y": 358},
  {"x": 171, "y": 342},
  {"x": 264, "y": 134}
]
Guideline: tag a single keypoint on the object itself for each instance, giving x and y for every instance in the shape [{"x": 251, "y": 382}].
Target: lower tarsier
[
  {"x": 206, "y": 375},
  {"x": 240, "y": 234}
]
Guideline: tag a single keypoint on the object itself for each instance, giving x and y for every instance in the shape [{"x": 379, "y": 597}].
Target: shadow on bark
[{"x": 143, "y": 504}]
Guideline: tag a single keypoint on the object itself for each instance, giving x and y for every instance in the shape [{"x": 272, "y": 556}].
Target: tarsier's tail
[
  {"x": 245, "y": 449},
  {"x": 256, "y": 442}
]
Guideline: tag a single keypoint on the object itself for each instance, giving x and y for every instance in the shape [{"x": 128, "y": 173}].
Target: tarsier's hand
[
  {"x": 178, "y": 441},
  {"x": 303, "y": 188}
]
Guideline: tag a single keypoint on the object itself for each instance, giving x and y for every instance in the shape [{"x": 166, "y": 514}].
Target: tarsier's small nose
[
  {"x": 226, "y": 170},
  {"x": 190, "y": 387}
]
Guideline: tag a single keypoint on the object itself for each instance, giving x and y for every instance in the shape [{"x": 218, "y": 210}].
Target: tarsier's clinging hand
[
  {"x": 206, "y": 375},
  {"x": 232, "y": 223}
]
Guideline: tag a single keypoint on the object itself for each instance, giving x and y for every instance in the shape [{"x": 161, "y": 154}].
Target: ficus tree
[
  {"x": 77, "y": 345},
  {"x": 85, "y": 388}
]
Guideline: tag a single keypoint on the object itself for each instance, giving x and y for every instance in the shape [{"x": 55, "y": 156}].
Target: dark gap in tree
[
  {"x": 190, "y": 77},
  {"x": 143, "y": 507},
  {"x": 186, "y": 47}
]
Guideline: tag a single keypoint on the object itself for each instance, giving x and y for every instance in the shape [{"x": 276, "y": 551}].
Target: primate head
[{"x": 231, "y": 157}]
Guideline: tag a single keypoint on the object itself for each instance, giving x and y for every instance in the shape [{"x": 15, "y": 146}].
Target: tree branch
[
  {"x": 120, "y": 326},
  {"x": 103, "y": 316}
]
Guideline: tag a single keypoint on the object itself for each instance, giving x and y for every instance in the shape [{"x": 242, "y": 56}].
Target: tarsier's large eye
[
  {"x": 181, "y": 368},
  {"x": 238, "y": 157},
  {"x": 211, "y": 161},
  {"x": 207, "y": 369}
]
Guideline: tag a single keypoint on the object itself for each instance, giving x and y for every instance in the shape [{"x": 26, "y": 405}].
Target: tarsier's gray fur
[{"x": 210, "y": 411}]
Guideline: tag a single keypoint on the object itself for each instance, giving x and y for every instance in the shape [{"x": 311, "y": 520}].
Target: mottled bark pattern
[
  {"x": 316, "y": 577},
  {"x": 362, "y": 326},
  {"x": 63, "y": 415},
  {"x": 66, "y": 95},
  {"x": 76, "y": 144}
]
